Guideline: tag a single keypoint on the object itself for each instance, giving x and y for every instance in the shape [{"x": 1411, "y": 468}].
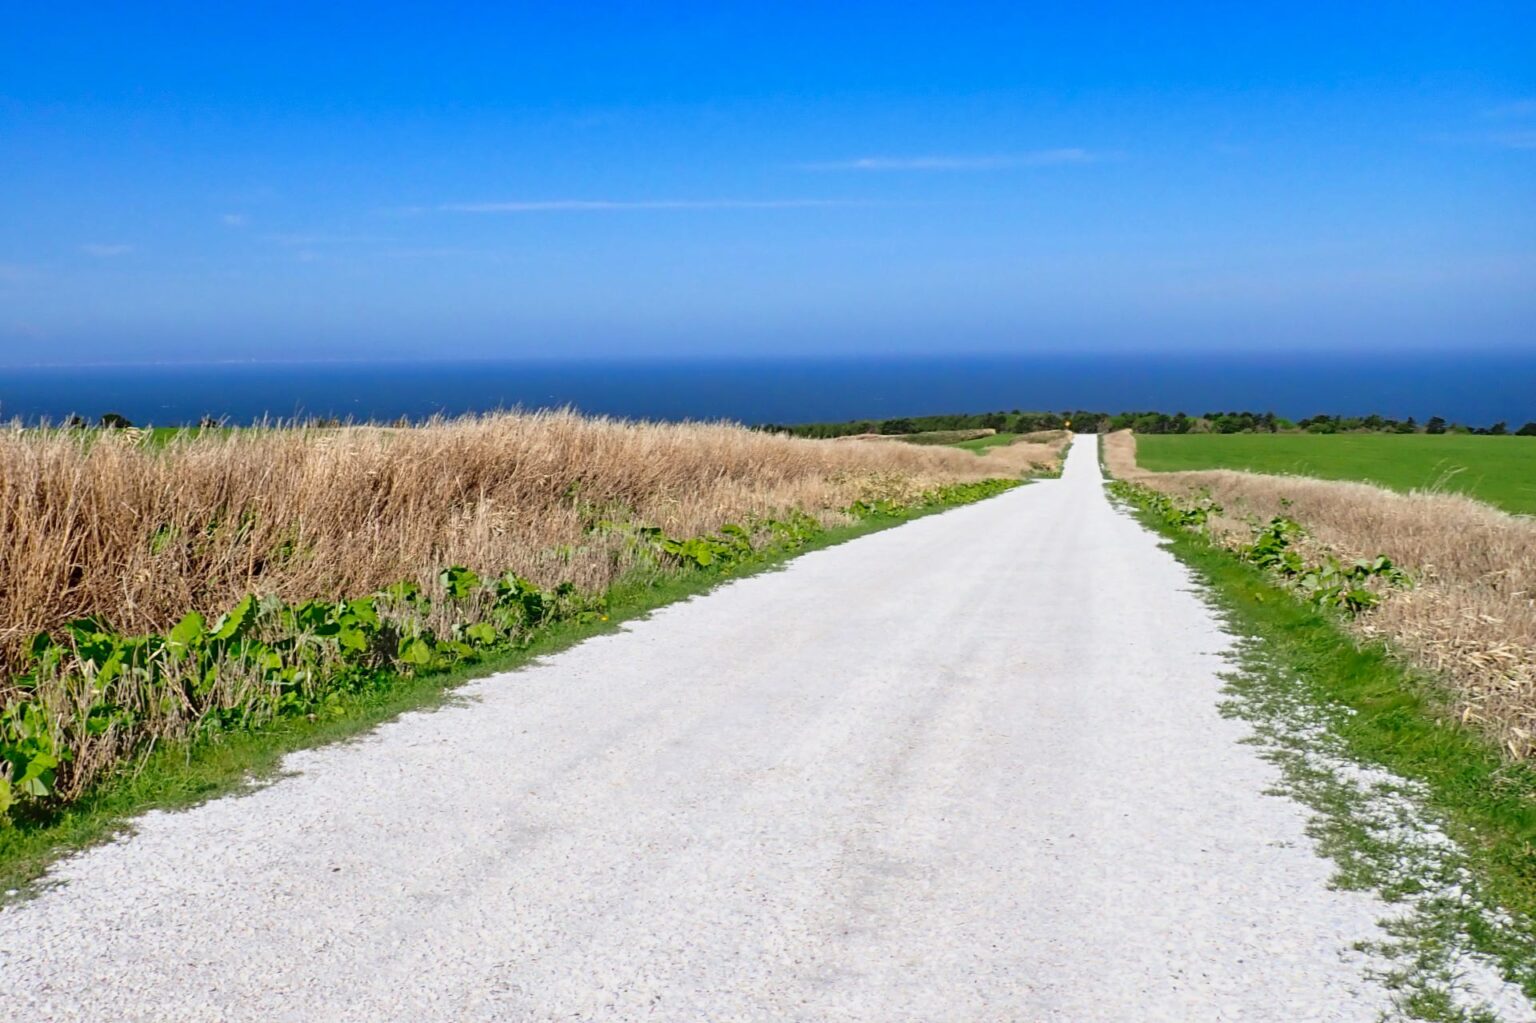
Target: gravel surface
[{"x": 966, "y": 769}]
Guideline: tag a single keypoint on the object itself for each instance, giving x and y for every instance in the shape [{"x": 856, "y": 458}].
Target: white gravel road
[{"x": 967, "y": 769}]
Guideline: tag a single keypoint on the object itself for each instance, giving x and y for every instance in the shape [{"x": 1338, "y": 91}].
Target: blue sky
[{"x": 204, "y": 182}]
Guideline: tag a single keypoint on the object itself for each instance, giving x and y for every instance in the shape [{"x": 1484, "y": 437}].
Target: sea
[{"x": 1478, "y": 389}]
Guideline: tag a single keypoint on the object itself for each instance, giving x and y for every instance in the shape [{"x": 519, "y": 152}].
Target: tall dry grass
[
  {"x": 1471, "y": 615},
  {"x": 109, "y": 527}
]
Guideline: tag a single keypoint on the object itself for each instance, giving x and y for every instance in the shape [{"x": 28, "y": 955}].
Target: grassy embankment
[
  {"x": 1322, "y": 698},
  {"x": 1499, "y": 470},
  {"x": 217, "y": 599},
  {"x": 994, "y": 440},
  {"x": 1038, "y": 446},
  {"x": 1049, "y": 438},
  {"x": 1431, "y": 675},
  {"x": 1468, "y": 616}
]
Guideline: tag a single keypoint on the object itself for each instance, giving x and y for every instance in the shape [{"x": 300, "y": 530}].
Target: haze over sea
[{"x": 1476, "y": 389}]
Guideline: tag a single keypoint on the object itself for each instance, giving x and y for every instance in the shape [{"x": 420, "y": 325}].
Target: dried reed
[{"x": 105, "y": 525}]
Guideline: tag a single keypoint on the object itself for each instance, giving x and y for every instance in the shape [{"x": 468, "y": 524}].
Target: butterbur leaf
[
  {"x": 36, "y": 777},
  {"x": 110, "y": 669},
  {"x": 363, "y": 610},
  {"x": 187, "y": 633},
  {"x": 232, "y": 623},
  {"x": 415, "y": 651},
  {"x": 100, "y": 718},
  {"x": 483, "y": 633},
  {"x": 313, "y": 616},
  {"x": 404, "y": 591},
  {"x": 83, "y": 628},
  {"x": 6, "y": 798},
  {"x": 459, "y": 581}
]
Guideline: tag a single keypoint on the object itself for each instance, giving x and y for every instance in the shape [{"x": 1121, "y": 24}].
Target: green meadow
[{"x": 1499, "y": 470}]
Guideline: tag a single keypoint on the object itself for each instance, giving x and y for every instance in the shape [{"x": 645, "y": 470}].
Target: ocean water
[{"x": 1470, "y": 388}]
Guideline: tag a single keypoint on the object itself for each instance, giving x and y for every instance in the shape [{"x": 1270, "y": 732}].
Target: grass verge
[
  {"x": 1409, "y": 803},
  {"x": 177, "y": 776}
]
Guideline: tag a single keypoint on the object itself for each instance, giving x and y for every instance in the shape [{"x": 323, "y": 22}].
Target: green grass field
[{"x": 1499, "y": 470}]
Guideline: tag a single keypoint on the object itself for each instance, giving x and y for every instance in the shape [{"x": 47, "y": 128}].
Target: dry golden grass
[
  {"x": 1471, "y": 615},
  {"x": 138, "y": 536},
  {"x": 1024, "y": 456},
  {"x": 1051, "y": 438}
]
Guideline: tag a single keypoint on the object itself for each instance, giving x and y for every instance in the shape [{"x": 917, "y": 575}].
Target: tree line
[{"x": 1085, "y": 421}]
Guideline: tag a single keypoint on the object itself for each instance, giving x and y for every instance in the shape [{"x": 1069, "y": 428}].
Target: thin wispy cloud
[
  {"x": 1518, "y": 108},
  {"x": 1514, "y": 139},
  {"x": 1518, "y": 139},
  {"x": 307, "y": 240},
  {"x": 1515, "y": 135},
  {"x": 603, "y": 205},
  {"x": 105, "y": 250},
  {"x": 234, "y": 219},
  {"x": 440, "y": 252},
  {"x": 1037, "y": 158}
]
